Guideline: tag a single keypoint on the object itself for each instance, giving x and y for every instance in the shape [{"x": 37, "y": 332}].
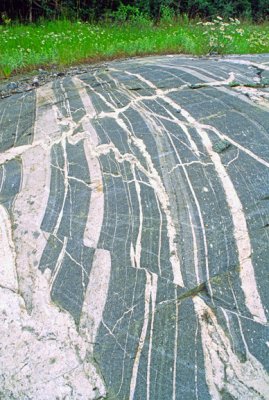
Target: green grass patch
[{"x": 63, "y": 43}]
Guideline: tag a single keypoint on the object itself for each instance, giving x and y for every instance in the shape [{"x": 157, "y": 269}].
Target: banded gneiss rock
[{"x": 134, "y": 233}]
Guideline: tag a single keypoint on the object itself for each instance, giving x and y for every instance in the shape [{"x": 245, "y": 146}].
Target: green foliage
[
  {"x": 167, "y": 14},
  {"x": 222, "y": 36},
  {"x": 24, "y": 10},
  {"x": 5, "y": 71},
  {"x": 64, "y": 42},
  {"x": 258, "y": 42},
  {"x": 130, "y": 14}
]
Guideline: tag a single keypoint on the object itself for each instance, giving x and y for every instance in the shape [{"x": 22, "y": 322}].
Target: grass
[{"x": 63, "y": 43}]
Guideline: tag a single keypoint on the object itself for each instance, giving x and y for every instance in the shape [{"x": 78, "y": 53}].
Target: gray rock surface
[
  {"x": 24, "y": 83},
  {"x": 134, "y": 214}
]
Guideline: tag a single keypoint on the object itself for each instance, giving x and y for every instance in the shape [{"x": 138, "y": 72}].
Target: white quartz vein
[
  {"x": 247, "y": 275},
  {"x": 224, "y": 371},
  {"x": 150, "y": 295},
  {"x": 154, "y": 179},
  {"x": 7, "y": 253},
  {"x": 60, "y": 366}
]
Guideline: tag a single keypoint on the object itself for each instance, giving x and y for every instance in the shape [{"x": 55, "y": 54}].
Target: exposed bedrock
[{"x": 134, "y": 233}]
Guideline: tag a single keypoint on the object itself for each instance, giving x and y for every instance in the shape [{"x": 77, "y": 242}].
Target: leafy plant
[
  {"x": 130, "y": 14},
  {"x": 6, "y": 71},
  {"x": 167, "y": 14},
  {"x": 221, "y": 35},
  {"x": 258, "y": 41}
]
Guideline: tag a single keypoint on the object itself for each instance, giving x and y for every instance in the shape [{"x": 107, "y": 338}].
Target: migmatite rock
[{"x": 134, "y": 239}]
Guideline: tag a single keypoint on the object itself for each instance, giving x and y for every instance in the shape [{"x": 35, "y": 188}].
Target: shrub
[
  {"x": 221, "y": 35},
  {"x": 167, "y": 14},
  {"x": 130, "y": 14}
]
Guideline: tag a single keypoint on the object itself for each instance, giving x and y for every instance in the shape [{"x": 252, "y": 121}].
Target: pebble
[
  {"x": 35, "y": 81},
  {"x": 12, "y": 86}
]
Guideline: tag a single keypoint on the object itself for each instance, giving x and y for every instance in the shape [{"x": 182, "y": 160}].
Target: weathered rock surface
[{"x": 134, "y": 239}]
